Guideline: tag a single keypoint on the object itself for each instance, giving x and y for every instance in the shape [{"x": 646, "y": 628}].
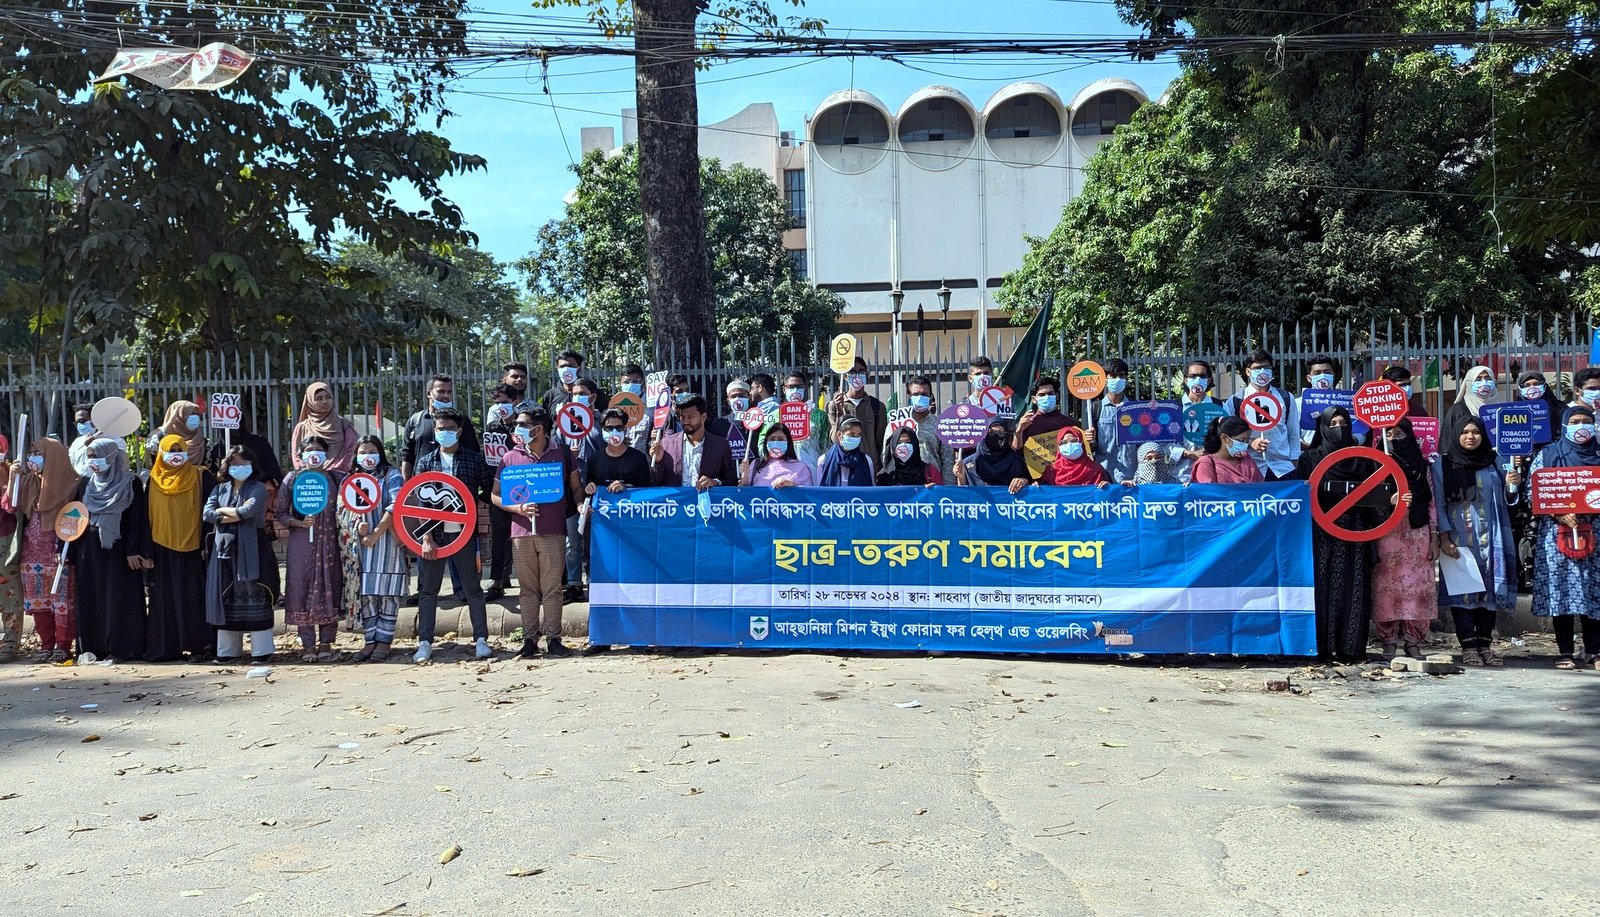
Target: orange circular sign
[{"x": 1086, "y": 379}]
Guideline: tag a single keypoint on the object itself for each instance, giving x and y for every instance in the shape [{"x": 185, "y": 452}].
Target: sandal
[
  {"x": 1414, "y": 650},
  {"x": 1566, "y": 664},
  {"x": 42, "y": 657},
  {"x": 308, "y": 656},
  {"x": 1471, "y": 657},
  {"x": 1492, "y": 659},
  {"x": 325, "y": 653},
  {"x": 60, "y": 655},
  {"x": 1390, "y": 650},
  {"x": 365, "y": 653},
  {"x": 380, "y": 655}
]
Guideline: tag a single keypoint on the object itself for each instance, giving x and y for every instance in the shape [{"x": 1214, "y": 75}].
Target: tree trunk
[{"x": 677, "y": 265}]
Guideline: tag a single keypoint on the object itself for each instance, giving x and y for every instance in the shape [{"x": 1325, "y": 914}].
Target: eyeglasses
[{"x": 615, "y": 429}]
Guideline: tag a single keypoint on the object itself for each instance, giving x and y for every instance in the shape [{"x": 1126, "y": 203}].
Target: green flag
[
  {"x": 1027, "y": 360},
  {"x": 1430, "y": 374}
]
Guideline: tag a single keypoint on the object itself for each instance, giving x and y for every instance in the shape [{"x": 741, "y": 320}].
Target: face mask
[
  {"x": 367, "y": 460},
  {"x": 314, "y": 459},
  {"x": 633, "y": 388},
  {"x": 446, "y": 438},
  {"x": 193, "y": 422},
  {"x": 1046, "y": 403},
  {"x": 681, "y": 397},
  {"x": 777, "y": 449},
  {"x": 84, "y": 429},
  {"x": 794, "y": 394},
  {"x": 441, "y": 405},
  {"x": 1339, "y": 436},
  {"x": 1533, "y": 391},
  {"x": 1072, "y": 450},
  {"x": 739, "y": 404},
  {"x": 858, "y": 382},
  {"x": 982, "y": 381},
  {"x": 1590, "y": 396},
  {"x": 581, "y": 399},
  {"x": 500, "y": 411},
  {"x": 902, "y": 451},
  {"x": 994, "y": 441},
  {"x": 1199, "y": 383},
  {"x": 1116, "y": 386},
  {"x": 614, "y": 437},
  {"x": 1483, "y": 388},
  {"x": 1262, "y": 377},
  {"x": 171, "y": 458},
  {"x": 523, "y": 434},
  {"x": 568, "y": 374},
  {"x": 1322, "y": 380},
  {"x": 1580, "y": 433},
  {"x": 1407, "y": 389},
  {"x": 921, "y": 402},
  {"x": 36, "y": 462},
  {"x": 850, "y": 443},
  {"x": 239, "y": 472},
  {"x": 1237, "y": 449},
  {"x": 99, "y": 465}
]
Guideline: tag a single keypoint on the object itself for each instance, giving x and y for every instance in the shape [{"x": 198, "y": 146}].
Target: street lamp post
[
  {"x": 944, "y": 303},
  {"x": 898, "y": 297}
]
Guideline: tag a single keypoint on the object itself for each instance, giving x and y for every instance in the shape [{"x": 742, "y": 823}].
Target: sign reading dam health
[{"x": 1155, "y": 569}]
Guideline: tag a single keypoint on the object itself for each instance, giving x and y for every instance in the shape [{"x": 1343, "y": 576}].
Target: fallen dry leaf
[
  {"x": 448, "y": 855},
  {"x": 1303, "y": 872},
  {"x": 90, "y": 738},
  {"x": 694, "y": 791},
  {"x": 441, "y": 788},
  {"x": 149, "y": 816},
  {"x": 524, "y": 873},
  {"x": 920, "y": 812}
]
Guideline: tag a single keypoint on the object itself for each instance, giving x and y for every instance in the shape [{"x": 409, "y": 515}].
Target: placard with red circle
[
  {"x": 360, "y": 493},
  {"x": 629, "y": 404},
  {"x": 1261, "y": 410},
  {"x": 991, "y": 399},
  {"x": 429, "y": 501},
  {"x": 796, "y": 415},
  {"x": 1328, "y": 520},
  {"x": 1380, "y": 404},
  {"x": 753, "y": 419},
  {"x": 575, "y": 420}
]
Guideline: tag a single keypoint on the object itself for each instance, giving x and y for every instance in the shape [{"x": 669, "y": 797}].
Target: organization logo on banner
[
  {"x": 758, "y": 627},
  {"x": 1114, "y": 636}
]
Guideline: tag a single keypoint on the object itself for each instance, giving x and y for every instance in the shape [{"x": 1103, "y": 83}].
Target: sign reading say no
[{"x": 224, "y": 411}]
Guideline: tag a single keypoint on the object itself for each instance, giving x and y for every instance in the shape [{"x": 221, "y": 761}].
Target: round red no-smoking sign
[
  {"x": 432, "y": 505},
  {"x": 1261, "y": 410},
  {"x": 1329, "y": 518},
  {"x": 359, "y": 493}
]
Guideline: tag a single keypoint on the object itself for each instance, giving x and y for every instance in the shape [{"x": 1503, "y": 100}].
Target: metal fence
[{"x": 390, "y": 383}]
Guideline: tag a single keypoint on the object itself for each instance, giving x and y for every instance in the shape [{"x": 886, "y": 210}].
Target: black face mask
[
  {"x": 994, "y": 441},
  {"x": 1338, "y": 437}
]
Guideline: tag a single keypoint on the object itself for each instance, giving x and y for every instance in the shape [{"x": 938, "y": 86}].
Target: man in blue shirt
[{"x": 1275, "y": 450}]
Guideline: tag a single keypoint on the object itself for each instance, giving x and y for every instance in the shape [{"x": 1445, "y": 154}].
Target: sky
[{"x": 531, "y": 138}]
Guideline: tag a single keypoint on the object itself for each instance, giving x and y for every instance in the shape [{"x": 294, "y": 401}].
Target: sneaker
[
  {"x": 482, "y": 651},
  {"x": 424, "y": 652},
  {"x": 553, "y": 647},
  {"x": 530, "y": 650}
]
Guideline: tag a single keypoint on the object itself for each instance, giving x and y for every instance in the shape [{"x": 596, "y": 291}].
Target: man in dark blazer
[{"x": 709, "y": 460}]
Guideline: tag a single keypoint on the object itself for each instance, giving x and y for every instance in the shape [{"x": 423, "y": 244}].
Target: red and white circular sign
[
  {"x": 1261, "y": 410},
  {"x": 1388, "y": 469},
  {"x": 753, "y": 419},
  {"x": 437, "y": 506},
  {"x": 1380, "y": 404},
  {"x": 575, "y": 420},
  {"x": 360, "y": 493},
  {"x": 796, "y": 415},
  {"x": 991, "y": 399}
]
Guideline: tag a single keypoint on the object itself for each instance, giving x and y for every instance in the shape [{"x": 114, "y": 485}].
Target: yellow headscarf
[{"x": 175, "y": 500}]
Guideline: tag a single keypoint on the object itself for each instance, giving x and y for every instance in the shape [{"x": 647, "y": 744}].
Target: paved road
[{"x": 762, "y": 784}]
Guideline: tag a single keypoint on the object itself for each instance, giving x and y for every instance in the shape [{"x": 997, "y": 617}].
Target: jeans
[{"x": 430, "y": 573}]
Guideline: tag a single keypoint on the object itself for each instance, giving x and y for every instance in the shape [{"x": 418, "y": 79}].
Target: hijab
[
  {"x": 1081, "y": 470},
  {"x": 1464, "y": 393},
  {"x": 1564, "y": 453},
  {"x": 845, "y": 469},
  {"x": 1328, "y": 440},
  {"x": 997, "y": 463},
  {"x": 175, "y": 501},
  {"x": 1555, "y": 404},
  {"x": 912, "y": 471},
  {"x": 109, "y": 493},
  {"x": 1461, "y": 466},
  {"x": 46, "y": 492},
  {"x": 1408, "y": 452},
  {"x": 174, "y": 423},
  {"x": 328, "y": 425}
]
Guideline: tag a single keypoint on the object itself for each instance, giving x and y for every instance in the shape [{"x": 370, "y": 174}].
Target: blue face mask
[
  {"x": 633, "y": 388},
  {"x": 314, "y": 459},
  {"x": 1322, "y": 380},
  {"x": 568, "y": 374},
  {"x": 1533, "y": 391},
  {"x": 367, "y": 460},
  {"x": 84, "y": 429},
  {"x": 739, "y": 403},
  {"x": 681, "y": 397},
  {"x": 441, "y": 405},
  {"x": 1237, "y": 449},
  {"x": 614, "y": 437},
  {"x": 1046, "y": 403},
  {"x": 1483, "y": 388},
  {"x": 446, "y": 438},
  {"x": 581, "y": 399},
  {"x": 1590, "y": 396},
  {"x": 36, "y": 463},
  {"x": 240, "y": 472},
  {"x": 1261, "y": 377},
  {"x": 850, "y": 443},
  {"x": 1072, "y": 450},
  {"x": 99, "y": 465},
  {"x": 193, "y": 422},
  {"x": 794, "y": 394},
  {"x": 1580, "y": 433},
  {"x": 1407, "y": 389},
  {"x": 500, "y": 411},
  {"x": 1203, "y": 383},
  {"x": 921, "y": 402},
  {"x": 1116, "y": 385}
]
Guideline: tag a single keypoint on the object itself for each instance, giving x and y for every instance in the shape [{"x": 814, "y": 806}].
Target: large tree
[
  {"x": 466, "y": 301},
  {"x": 208, "y": 219},
  {"x": 590, "y": 275}
]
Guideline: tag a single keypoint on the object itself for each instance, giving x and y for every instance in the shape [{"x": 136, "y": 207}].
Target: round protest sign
[
  {"x": 437, "y": 506},
  {"x": 1388, "y": 469},
  {"x": 1197, "y": 420},
  {"x": 1261, "y": 410},
  {"x": 72, "y": 521},
  {"x": 115, "y": 417},
  {"x": 1086, "y": 379},
  {"x": 360, "y": 493},
  {"x": 312, "y": 492},
  {"x": 962, "y": 426},
  {"x": 796, "y": 415},
  {"x": 575, "y": 420},
  {"x": 629, "y": 404},
  {"x": 991, "y": 399},
  {"x": 753, "y": 419},
  {"x": 1380, "y": 404}
]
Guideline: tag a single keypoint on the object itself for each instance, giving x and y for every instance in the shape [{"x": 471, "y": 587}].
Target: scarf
[
  {"x": 1071, "y": 472},
  {"x": 1461, "y": 466},
  {"x": 1465, "y": 396},
  {"x": 174, "y": 423},
  {"x": 1408, "y": 452},
  {"x": 997, "y": 463},
  {"x": 175, "y": 501},
  {"x": 1554, "y": 403},
  {"x": 108, "y": 493},
  {"x": 328, "y": 425},
  {"x": 845, "y": 469},
  {"x": 45, "y": 493},
  {"x": 911, "y": 472},
  {"x": 1564, "y": 453},
  {"x": 1328, "y": 440}
]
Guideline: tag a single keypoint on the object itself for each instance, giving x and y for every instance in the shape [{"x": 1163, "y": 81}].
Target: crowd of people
[{"x": 179, "y": 559}]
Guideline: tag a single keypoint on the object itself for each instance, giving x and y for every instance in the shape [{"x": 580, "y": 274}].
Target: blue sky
[{"x": 503, "y": 114}]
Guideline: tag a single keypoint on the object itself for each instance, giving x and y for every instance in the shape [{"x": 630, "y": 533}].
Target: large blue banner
[{"x": 1206, "y": 568}]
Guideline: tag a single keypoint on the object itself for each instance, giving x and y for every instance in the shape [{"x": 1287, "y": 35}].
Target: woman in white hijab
[{"x": 1475, "y": 389}]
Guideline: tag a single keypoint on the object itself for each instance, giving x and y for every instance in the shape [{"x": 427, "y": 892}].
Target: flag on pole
[{"x": 1027, "y": 360}]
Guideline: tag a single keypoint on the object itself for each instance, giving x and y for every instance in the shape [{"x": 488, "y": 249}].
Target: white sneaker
[
  {"x": 424, "y": 652},
  {"x": 483, "y": 651}
]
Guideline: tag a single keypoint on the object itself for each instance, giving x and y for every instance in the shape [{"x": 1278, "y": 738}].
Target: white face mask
[{"x": 367, "y": 460}]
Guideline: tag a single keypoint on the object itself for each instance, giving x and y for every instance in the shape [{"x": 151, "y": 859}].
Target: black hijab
[
  {"x": 1556, "y": 405},
  {"x": 1328, "y": 440},
  {"x": 1408, "y": 452},
  {"x": 912, "y": 471},
  {"x": 998, "y": 464},
  {"x": 1461, "y": 466}
]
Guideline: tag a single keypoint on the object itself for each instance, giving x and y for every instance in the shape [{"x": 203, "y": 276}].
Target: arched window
[
  {"x": 849, "y": 124},
  {"x": 1024, "y": 116},
  {"x": 1101, "y": 115},
  {"x": 935, "y": 119}
]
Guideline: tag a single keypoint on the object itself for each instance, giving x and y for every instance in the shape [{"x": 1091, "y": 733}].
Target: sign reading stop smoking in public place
[{"x": 1380, "y": 404}]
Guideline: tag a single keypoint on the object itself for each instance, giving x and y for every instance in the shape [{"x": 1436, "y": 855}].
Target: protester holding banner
[
  {"x": 185, "y": 419},
  {"x": 846, "y": 464},
  {"x": 1343, "y": 568},
  {"x": 455, "y": 456},
  {"x": 417, "y": 440},
  {"x": 236, "y": 601},
  {"x": 994, "y": 463},
  {"x": 1073, "y": 467},
  {"x": 312, "y": 567},
  {"x": 1403, "y": 598},
  {"x": 381, "y": 567},
  {"x": 1322, "y": 374},
  {"x": 631, "y": 381},
  {"x": 1275, "y": 450},
  {"x": 1120, "y": 460},
  {"x": 1182, "y": 455},
  {"x": 111, "y": 557},
  {"x": 1533, "y": 386},
  {"x": 905, "y": 466},
  {"x": 1225, "y": 458},
  {"x": 618, "y": 466},
  {"x": 177, "y": 619},
  {"x": 1045, "y": 420},
  {"x": 1474, "y": 390},
  {"x": 47, "y": 484},
  {"x": 1566, "y": 589},
  {"x": 10, "y": 566},
  {"x": 778, "y": 464},
  {"x": 1475, "y": 524},
  {"x": 1155, "y": 465},
  {"x": 79, "y": 450},
  {"x": 728, "y": 426},
  {"x": 691, "y": 457},
  {"x": 809, "y": 449},
  {"x": 502, "y": 407},
  {"x": 853, "y": 401},
  {"x": 539, "y": 533},
  {"x": 320, "y": 418}
]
